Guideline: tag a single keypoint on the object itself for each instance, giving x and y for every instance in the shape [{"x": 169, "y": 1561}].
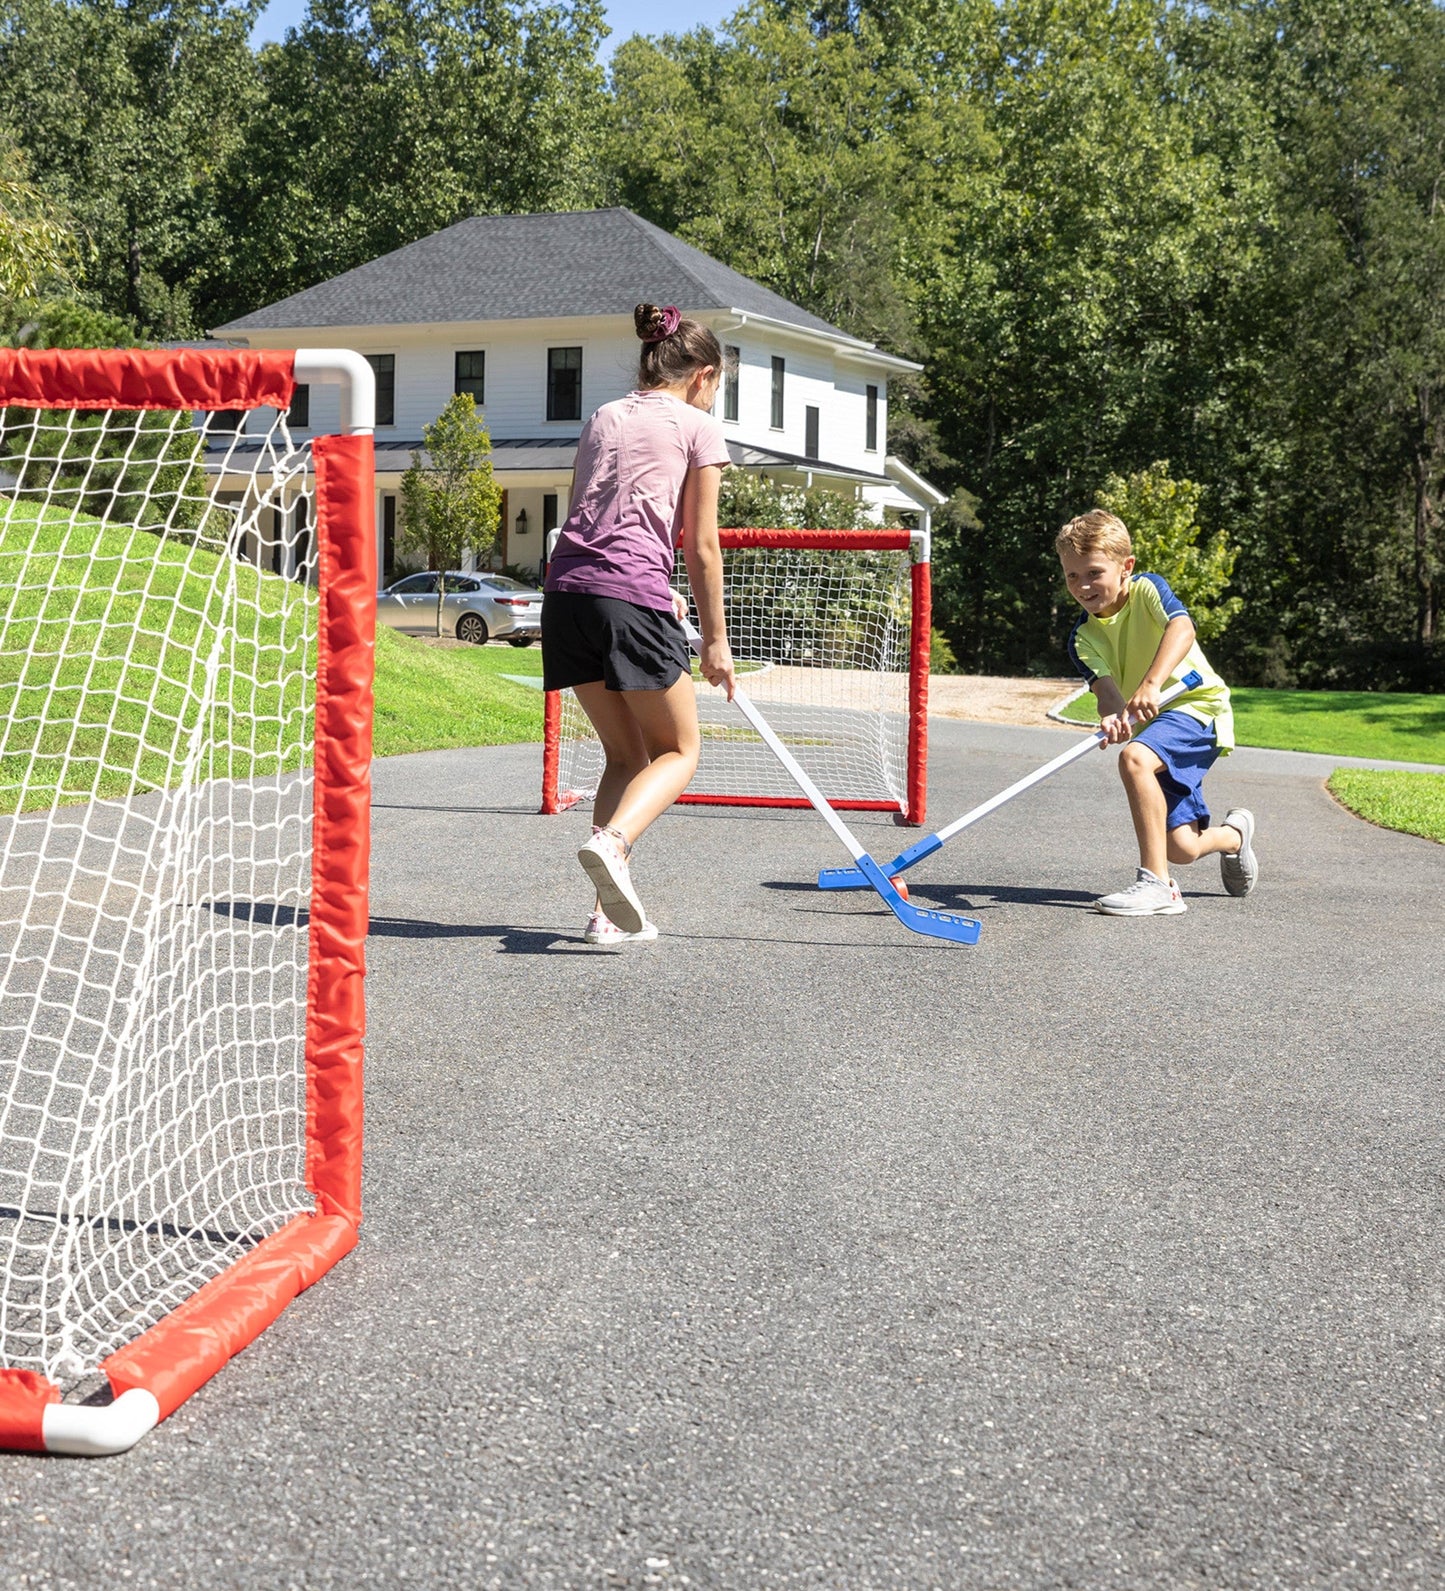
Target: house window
[
  {"x": 777, "y": 420},
  {"x": 810, "y": 432},
  {"x": 471, "y": 375},
  {"x": 388, "y": 536},
  {"x": 732, "y": 357},
  {"x": 385, "y": 367},
  {"x": 298, "y": 416},
  {"x": 564, "y": 383},
  {"x": 227, "y": 420},
  {"x": 870, "y": 425}
]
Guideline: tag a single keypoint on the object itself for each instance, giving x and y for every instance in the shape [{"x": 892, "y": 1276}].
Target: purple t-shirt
[{"x": 632, "y": 460}]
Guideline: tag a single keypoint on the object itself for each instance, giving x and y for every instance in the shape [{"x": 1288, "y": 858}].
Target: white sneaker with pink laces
[
  {"x": 601, "y": 930},
  {"x": 605, "y": 858}
]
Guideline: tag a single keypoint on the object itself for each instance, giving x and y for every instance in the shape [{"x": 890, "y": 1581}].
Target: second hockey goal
[{"x": 830, "y": 630}]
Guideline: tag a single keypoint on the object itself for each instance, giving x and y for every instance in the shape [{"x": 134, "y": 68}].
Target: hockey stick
[
  {"x": 935, "y": 925},
  {"x": 853, "y": 878}
]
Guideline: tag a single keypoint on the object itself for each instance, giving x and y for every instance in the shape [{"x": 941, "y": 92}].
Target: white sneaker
[
  {"x": 601, "y": 930},
  {"x": 1147, "y": 896},
  {"x": 1240, "y": 871},
  {"x": 605, "y": 858}
]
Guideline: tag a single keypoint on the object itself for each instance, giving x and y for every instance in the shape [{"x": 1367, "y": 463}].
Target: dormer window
[
  {"x": 870, "y": 424},
  {"x": 564, "y": 383},
  {"x": 777, "y": 418}
]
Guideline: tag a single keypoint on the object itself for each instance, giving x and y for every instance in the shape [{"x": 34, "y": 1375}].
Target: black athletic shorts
[{"x": 587, "y": 638}]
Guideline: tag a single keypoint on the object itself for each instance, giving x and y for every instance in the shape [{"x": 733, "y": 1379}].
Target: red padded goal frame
[
  {"x": 188, "y": 1346},
  {"x": 913, "y": 810}
]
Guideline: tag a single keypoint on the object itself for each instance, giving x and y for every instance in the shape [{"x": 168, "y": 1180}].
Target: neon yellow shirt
[{"x": 1123, "y": 646}]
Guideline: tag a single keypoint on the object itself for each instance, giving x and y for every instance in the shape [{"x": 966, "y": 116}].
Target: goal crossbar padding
[
  {"x": 146, "y": 378},
  {"x": 195, "y": 1339}
]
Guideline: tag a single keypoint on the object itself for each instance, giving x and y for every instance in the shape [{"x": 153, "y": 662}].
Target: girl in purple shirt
[{"x": 646, "y": 477}]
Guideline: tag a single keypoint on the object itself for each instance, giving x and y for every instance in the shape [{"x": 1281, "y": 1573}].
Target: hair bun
[
  {"x": 653, "y": 324},
  {"x": 648, "y": 319}
]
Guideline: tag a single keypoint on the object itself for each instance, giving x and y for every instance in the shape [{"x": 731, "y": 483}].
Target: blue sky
[{"x": 624, "y": 17}]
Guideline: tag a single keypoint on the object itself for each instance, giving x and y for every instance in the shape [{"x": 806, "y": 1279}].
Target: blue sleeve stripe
[
  {"x": 1074, "y": 657},
  {"x": 1173, "y": 607}
]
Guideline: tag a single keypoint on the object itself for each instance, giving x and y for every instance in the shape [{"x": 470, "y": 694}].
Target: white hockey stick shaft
[{"x": 1080, "y": 749}]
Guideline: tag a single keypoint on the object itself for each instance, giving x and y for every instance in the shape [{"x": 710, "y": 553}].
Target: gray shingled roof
[{"x": 524, "y": 267}]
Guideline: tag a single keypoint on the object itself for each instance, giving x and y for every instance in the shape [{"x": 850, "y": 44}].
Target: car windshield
[{"x": 504, "y": 582}]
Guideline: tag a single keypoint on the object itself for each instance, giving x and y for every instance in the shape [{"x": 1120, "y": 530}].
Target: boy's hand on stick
[
  {"x": 1144, "y": 703},
  {"x": 1116, "y": 728}
]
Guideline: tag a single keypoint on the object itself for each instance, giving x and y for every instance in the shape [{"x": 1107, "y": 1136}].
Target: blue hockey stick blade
[
  {"x": 934, "y": 925},
  {"x": 841, "y": 878}
]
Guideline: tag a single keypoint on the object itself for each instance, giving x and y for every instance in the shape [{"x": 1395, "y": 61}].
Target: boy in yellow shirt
[{"x": 1135, "y": 639}]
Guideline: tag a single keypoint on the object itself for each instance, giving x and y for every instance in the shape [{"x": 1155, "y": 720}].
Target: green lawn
[
  {"x": 1414, "y": 803},
  {"x": 1392, "y": 727},
  {"x": 121, "y": 655},
  {"x": 1396, "y": 727},
  {"x": 432, "y": 698},
  {"x": 116, "y": 648}
]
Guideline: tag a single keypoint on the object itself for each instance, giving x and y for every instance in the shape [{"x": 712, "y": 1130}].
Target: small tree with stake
[{"x": 452, "y": 501}]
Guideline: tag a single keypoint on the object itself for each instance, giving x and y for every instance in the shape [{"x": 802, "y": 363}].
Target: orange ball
[{"x": 900, "y": 886}]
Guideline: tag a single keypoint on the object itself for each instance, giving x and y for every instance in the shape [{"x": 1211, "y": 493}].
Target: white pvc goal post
[
  {"x": 187, "y": 611},
  {"x": 831, "y": 632}
]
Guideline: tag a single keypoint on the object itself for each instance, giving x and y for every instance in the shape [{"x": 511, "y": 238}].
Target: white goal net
[
  {"x": 157, "y": 674},
  {"x": 823, "y": 639}
]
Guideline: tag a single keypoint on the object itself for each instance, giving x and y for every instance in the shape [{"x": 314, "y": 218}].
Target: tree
[
  {"x": 813, "y": 158},
  {"x": 450, "y": 498},
  {"x": 386, "y": 122},
  {"x": 1162, "y": 518},
  {"x": 38, "y": 249},
  {"x": 130, "y": 115},
  {"x": 1073, "y": 326}
]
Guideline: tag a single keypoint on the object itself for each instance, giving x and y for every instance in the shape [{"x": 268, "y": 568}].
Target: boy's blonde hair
[{"x": 1097, "y": 530}]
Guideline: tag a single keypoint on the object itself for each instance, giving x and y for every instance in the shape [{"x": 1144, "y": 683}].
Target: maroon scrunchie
[{"x": 671, "y": 318}]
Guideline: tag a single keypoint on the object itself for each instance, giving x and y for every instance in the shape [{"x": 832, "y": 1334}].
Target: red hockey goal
[
  {"x": 185, "y": 704},
  {"x": 830, "y": 629}
]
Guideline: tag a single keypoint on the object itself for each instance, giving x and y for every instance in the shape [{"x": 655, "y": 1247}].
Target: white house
[{"x": 532, "y": 314}]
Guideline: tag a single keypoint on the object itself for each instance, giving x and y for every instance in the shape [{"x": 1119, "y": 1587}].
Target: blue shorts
[{"x": 1187, "y": 749}]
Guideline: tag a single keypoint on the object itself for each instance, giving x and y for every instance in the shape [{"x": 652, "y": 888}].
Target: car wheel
[
  {"x": 520, "y": 640},
  {"x": 472, "y": 627}
]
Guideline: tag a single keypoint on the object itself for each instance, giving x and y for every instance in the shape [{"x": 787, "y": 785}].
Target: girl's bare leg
[{"x": 651, "y": 743}]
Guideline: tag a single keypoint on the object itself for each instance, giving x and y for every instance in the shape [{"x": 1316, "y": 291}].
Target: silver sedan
[{"x": 475, "y": 607}]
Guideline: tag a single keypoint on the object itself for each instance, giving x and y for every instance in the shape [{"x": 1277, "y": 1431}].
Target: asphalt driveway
[{"x": 796, "y": 1250}]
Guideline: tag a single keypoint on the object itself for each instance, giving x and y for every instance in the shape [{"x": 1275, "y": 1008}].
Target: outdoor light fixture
[{"x": 521, "y": 521}]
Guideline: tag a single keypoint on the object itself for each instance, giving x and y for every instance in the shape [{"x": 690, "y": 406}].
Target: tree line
[{"x": 1183, "y": 256}]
